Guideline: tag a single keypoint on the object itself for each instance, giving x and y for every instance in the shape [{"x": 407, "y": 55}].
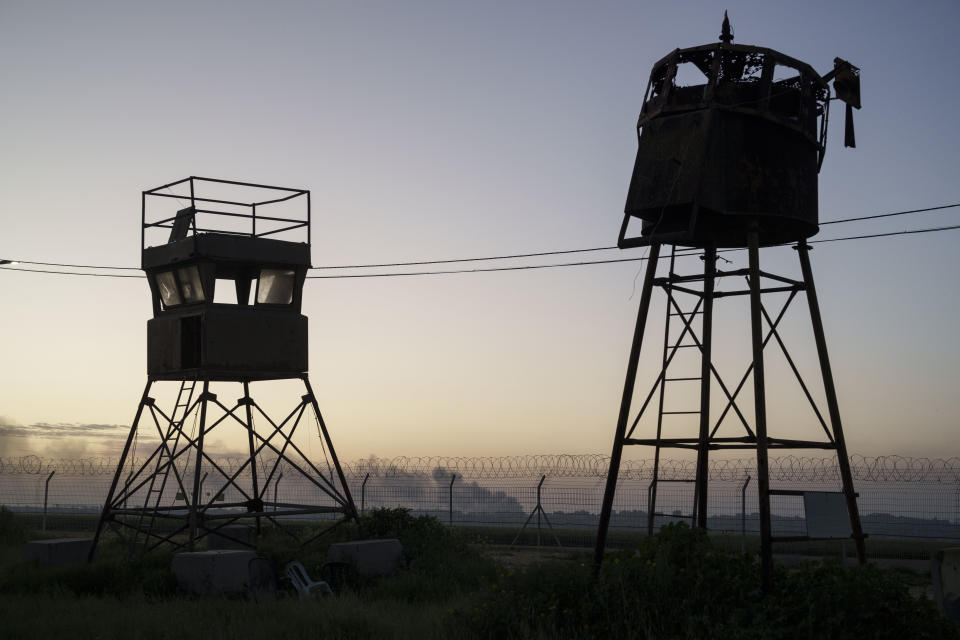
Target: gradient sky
[{"x": 445, "y": 129}]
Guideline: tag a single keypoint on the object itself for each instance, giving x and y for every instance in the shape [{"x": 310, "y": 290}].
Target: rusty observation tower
[
  {"x": 226, "y": 275},
  {"x": 731, "y": 139}
]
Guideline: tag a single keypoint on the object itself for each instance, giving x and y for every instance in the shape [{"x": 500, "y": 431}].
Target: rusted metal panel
[
  {"x": 708, "y": 172},
  {"x": 743, "y": 143},
  {"x": 227, "y": 248},
  {"x": 231, "y": 343},
  {"x": 255, "y": 340}
]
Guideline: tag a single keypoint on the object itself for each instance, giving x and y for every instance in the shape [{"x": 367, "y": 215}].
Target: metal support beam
[
  {"x": 624, "y": 417},
  {"x": 105, "y": 514},
  {"x": 247, "y": 401},
  {"x": 843, "y": 460},
  {"x": 333, "y": 454},
  {"x": 661, "y": 383},
  {"x": 760, "y": 409},
  {"x": 703, "y": 452},
  {"x": 195, "y": 501}
]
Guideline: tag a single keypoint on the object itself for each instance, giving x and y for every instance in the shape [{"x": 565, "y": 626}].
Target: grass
[
  {"x": 677, "y": 584},
  {"x": 347, "y": 616}
]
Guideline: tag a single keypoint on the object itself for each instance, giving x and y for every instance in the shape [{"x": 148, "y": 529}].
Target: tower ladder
[{"x": 165, "y": 459}]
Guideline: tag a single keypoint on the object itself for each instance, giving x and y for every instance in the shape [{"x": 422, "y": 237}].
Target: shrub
[
  {"x": 11, "y": 531},
  {"x": 149, "y": 576},
  {"x": 441, "y": 562},
  {"x": 676, "y": 584}
]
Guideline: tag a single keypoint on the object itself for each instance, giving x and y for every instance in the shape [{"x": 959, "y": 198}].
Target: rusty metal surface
[
  {"x": 227, "y": 248},
  {"x": 234, "y": 343},
  {"x": 744, "y": 144}
]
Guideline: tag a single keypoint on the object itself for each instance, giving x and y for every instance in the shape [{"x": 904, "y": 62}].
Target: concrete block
[
  {"x": 213, "y": 572},
  {"x": 945, "y": 573},
  {"x": 371, "y": 558},
  {"x": 58, "y": 550},
  {"x": 232, "y": 536}
]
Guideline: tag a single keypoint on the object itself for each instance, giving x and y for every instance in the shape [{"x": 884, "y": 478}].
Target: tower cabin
[
  {"x": 732, "y": 136},
  {"x": 226, "y": 275}
]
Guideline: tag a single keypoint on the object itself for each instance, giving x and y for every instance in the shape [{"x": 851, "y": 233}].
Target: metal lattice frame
[
  {"x": 707, "y": 439},
  {"x": 197, "y": 518}
]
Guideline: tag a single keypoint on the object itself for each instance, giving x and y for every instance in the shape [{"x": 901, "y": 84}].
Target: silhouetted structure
[
  {"x": 731, "y": 139},
  {"x": 227, "y": 286}
]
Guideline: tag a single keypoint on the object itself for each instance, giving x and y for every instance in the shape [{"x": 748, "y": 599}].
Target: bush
[
  {"x": 676, "y": 584},
  {"x": 149, "y": 576},
  {"x": 441, "y": 562},
  {"x": 11, "y": 531},
  {"x": 421, "y": 536}
]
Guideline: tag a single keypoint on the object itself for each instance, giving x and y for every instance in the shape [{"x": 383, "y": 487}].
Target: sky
[{"x": 433, "y": 130}]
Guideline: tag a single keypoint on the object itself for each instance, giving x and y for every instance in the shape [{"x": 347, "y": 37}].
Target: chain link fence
[{"x": 904, "y": 519}]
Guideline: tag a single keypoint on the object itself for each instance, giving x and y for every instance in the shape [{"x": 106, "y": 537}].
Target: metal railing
[{"x": 245, "y": 207}]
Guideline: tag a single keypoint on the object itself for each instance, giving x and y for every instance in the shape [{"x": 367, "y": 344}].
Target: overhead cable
[
  {"x": 589, "y": 262},
  {"x": 490, "y": 258},
  {"x": 511, "y": 268}
]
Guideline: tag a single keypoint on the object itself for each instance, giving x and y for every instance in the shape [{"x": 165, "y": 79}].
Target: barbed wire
[{"x": 891, "y": 468}]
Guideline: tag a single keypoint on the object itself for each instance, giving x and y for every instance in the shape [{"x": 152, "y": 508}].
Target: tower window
[
  {"x": 169, "y": 293},
  {"x": 275, "y": 286},
  {"x": 225, "y": 291},
  {"x": 190, "y": 284}
]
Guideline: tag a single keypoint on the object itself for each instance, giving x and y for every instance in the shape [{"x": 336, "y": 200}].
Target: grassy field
[{"x": 677, "y": 584}]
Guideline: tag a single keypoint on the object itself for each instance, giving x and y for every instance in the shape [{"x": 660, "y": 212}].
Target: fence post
[
  {"x": 46, "y": 492},
  {"x": 957, "y": 494},
  {"x": 276, "y": 486},
  {"x": 743, "y": 515},
  {"x": 363, "y": 493},
  {"x": 650, "y": 515},
  {"x": 126, "y": 485},
  {"x": 453, "y": 477},
  {"x": 539, "y": 507}
]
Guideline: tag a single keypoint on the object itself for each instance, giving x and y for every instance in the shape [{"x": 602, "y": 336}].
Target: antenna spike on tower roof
[{"x": 726, "y": 34}]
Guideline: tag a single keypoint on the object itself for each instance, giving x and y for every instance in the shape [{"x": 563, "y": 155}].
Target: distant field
[{"x": 63, "y": 525}]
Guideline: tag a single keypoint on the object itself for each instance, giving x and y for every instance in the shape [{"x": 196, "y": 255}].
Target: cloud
[
  {"x": 65, "y": 439},
  {"x": 12, "y": 429}
]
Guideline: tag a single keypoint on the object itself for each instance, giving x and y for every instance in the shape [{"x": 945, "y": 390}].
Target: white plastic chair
[{"x": 302, "y": 582}]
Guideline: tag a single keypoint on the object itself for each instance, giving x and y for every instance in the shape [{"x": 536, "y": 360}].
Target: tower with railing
[{"x": 226, "y": 262}]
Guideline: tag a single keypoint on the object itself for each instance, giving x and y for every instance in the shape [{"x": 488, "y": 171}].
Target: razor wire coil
[{"x": 892, "y": 468}]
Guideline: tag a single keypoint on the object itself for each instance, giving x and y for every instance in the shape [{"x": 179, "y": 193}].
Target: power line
[
  {"x": 480, "y": 270},
  {"x": 568, "y": 251},
  {"x": 589, "y": 262},
  {"x": 74, "y": 266},
  {"x": 488, "y": 258},
  {"x": 895, "y": 213},
  {"x": 685, "y": 252},
  {"x": 448, "y": 261},
  {"x": 508, "y": 268},
  {"x": 73, "y": 273},
  {"x": 889, "y": 233}
]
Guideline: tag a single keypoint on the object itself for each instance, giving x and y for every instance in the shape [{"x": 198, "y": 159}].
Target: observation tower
[
  {"x": 731, "y": 141},
  {"x": 225, "y": 262}
]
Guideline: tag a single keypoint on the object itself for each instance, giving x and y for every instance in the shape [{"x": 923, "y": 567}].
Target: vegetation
[
  {"x": 677, "y": 584},
  {"x": 11, "y": 529}
]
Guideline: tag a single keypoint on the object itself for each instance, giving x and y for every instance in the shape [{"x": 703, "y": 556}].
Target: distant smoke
[{"x": 471, "y": 497}]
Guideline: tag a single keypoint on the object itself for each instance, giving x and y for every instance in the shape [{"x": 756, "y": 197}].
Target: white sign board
[{"x": 827, "y": 515}]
